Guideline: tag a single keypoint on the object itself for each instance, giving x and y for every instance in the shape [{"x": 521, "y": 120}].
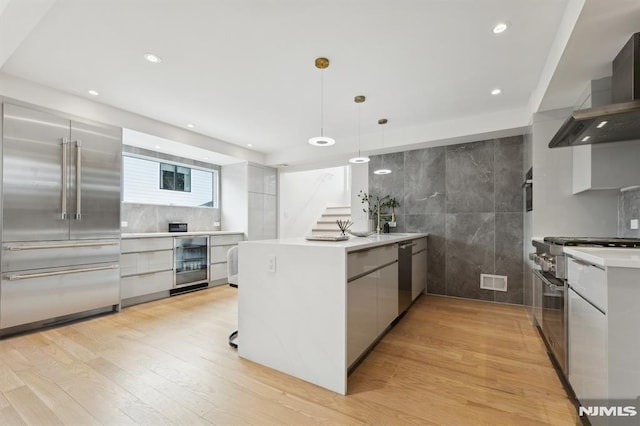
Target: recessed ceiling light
[
  {"x": 382, "y": 172},
  {"x": 191, "y": 126},
  {"x": 500, "y": 27},
  {"x": 602, "y": 124},
  {"x": 359, "y": 160},
  {"x": 152, "y": 58},
  {"x": 322, "y": 141},
  {"x": 157, "y": 147},
  {"x": 496, "y": 91},
  {"x": 250, "y": 145},
  {"x": 586, "y": 138},
  {"x": 93, "y": 92}
]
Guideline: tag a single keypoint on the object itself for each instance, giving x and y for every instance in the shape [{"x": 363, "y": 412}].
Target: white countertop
[
  {"x": 352, "y": 244},
  {"x": 607, "y": 257},
  {"x": 176, "y": 234}
]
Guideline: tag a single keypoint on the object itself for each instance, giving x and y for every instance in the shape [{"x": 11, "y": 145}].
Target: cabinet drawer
[
  {"x": 219, "y": 253},
  {"x": 387, "y": 254},
  {"x": 142, "y": 263},
  {"x": 146, "y": 244},
  {"x": 218, "y": 271},
  {"x": 43, "y": 297},
  {"x": 361, "y": 261},
  {"x": 420, "y": 244},
  {"x": 224, "y": 240},
  {"x": 140, "y": 285},
  {"x": 589, "y": 281}
]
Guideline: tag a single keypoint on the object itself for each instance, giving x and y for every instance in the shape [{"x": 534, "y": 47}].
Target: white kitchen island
[{"x": 311, "y": 309}]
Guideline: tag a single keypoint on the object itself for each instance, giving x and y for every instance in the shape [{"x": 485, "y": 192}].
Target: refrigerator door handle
[
  {"x": 56, "y": 273},
  {"x": 78, "y": 215},
  {"x": 65, "y": 184}
]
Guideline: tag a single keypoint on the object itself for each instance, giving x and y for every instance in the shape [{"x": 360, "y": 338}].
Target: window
[
  {"x": 179, "y": 185},
  {"x": 175, "y": 178}
]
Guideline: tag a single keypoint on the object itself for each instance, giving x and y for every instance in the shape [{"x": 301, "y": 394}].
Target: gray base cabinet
[
  {"x": 147, "y": 265},
  {"x": 146, "y": 269},
  {"x": 419, "y": 268},
  {"x": 219, "y": 246},
  {"x": 372, "y": 297}
]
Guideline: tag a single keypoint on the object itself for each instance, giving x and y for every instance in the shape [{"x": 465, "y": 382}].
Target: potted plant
[{"x": 392, "y": 203}]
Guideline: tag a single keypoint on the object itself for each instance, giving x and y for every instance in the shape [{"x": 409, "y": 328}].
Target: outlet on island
[{"x": 271, "y": 263}]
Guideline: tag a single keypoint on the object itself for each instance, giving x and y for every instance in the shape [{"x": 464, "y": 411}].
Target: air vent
[{"x": 493, "y": 282}]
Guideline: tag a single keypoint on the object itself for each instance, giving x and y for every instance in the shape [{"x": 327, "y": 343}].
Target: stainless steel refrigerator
[{"x": 60, "y": 217}]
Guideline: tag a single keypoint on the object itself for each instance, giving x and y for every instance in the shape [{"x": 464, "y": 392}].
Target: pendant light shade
[
  {"x": 322, "y": 140},
  {"x": 359, "y": 159},
  {"x": 382, "y": 170}
]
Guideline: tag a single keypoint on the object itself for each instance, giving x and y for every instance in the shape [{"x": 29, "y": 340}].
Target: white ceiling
[{"x": 243, "y": 72}]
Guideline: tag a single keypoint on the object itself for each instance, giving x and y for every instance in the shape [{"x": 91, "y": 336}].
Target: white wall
[
  {"x": 22, "y": 90},
  {"x": 556, "y": 211},
  {"x": 304, "y": 196},
  {"x": 234, "y": 198}
]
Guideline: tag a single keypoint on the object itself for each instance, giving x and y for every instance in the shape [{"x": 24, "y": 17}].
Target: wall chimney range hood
[{"x": 617, "y": 122}]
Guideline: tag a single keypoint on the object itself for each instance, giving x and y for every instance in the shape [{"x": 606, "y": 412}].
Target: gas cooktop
[{"x": 593, "y": 241}]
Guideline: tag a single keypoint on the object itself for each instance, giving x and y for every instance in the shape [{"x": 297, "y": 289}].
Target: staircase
[{"x": 326, "y": 224}]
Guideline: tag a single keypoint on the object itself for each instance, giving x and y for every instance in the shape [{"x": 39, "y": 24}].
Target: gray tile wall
[
  {"x": 155, "y": 218},
  {"x": 468, "y": 197},
  {"x": 628, "y": 208}
]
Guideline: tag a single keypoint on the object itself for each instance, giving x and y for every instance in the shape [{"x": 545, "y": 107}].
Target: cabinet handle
[
  {"x": 56, "y": 273},
  {"x": 58, "y": 246}
]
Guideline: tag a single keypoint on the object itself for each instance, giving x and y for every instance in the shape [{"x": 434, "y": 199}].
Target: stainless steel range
[{"x": 550, "y": 287}]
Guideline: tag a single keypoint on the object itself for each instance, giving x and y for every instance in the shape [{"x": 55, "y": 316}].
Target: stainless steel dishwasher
[{"x": 405, "y": 255}]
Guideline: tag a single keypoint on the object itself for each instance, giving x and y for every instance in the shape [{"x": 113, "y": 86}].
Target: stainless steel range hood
[{"x": 617, "y": 122}]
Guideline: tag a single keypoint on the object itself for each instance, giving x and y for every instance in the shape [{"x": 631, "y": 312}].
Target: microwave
[{"x": 177, "y": 227}]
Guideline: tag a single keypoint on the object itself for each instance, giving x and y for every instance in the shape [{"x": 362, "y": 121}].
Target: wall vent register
[{"x": 493, "y": 282}]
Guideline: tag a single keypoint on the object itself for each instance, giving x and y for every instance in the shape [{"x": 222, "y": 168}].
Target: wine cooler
[{"x": 191, "y": 261}]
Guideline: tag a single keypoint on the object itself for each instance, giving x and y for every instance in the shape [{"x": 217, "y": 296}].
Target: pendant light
[
  {"x": 382, "y": 170},
  {"x": 359, "y": 159},
  {"x": 322, "y": 140}
]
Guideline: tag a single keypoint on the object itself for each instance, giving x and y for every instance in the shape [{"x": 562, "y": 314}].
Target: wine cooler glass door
[{"x": 191, "y": 262}]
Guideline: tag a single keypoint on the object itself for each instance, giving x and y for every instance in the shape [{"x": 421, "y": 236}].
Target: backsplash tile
[
  {"x": 509, "y": 157},
  {"x": 155, "y": 218},
  {"x": 469, "y": 177},
  {"x": 508, "y": 255},
  {"x": 470, "y": 241},
  {"x": 628, "y": 208},
  {"x": 468, "y": 197},
  {"x": 424, "y": 171}
]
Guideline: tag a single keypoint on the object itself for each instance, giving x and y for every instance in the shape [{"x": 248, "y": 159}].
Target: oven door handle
[
  {"x": 553, "y": 286},
  {"x": 546, "y": 281}
]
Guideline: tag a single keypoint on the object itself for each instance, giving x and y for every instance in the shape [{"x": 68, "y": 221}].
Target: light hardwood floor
[{"x": 448, "y": 362}]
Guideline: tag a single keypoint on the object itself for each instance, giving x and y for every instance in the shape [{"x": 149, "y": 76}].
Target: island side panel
[{"x": 294, "y": 319}]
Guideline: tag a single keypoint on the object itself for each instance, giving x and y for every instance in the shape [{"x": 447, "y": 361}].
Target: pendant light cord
[
  {"x": 321, "y": 103},
  {"x": 359, "y": 124}
]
